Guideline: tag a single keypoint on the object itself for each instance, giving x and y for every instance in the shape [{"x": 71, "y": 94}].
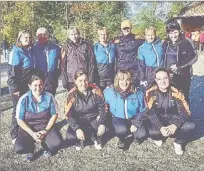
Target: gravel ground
[{"x": 144, "y": 157}]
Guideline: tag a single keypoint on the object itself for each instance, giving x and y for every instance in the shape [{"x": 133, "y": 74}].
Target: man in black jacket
[
  {"x": 127, "y": 47},
  {"x": 76, "y": 54}
]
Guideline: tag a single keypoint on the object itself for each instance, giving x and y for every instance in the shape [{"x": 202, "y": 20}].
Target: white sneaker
[
  {"x": 178, "y": 149},
  {"x": 78, "y": 148},
  {"x": 13, "y": 141},
  {"x": 158, "y": 142},
  {"x": 97, "y": 145}
]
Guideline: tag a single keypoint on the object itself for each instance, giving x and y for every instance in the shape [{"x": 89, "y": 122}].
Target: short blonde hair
[
  {"x": 120, "y": 76},
  {"x": 150, "y": 29},
  {"x": 102, "y": 29}
]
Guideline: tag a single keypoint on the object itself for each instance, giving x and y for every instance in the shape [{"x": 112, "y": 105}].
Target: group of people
[{"x": 103, "y": 89}]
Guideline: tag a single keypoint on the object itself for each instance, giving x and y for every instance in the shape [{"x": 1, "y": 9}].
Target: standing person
[
  {"x": 47, "y": 55},
  {"x": 85, "y": 112},
  {"x": 169, "y": 114},
  {"x": 179, "y": 56},
  {"x": 76, "y": 54},
  {"x": 4, "y": 47},
  {"x": 21, "y": 63},
  {"x": 202, "y": 39},
  {"x": 36, "y": 115},
  {"x": 150, "y": 55},
  {"x": 195, "y": 39},
  {"x": 127, "y": 49},
  {"x": 105, "y": 54},
  {"x": 128, "y": 109}
]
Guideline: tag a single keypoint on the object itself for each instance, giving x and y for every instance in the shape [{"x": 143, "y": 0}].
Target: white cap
[{"x": 42, "y": 30}]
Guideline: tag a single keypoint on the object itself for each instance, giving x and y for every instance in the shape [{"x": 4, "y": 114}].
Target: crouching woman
[
  {"x": 36, "y": 115},
  {"x": 85, "y": 112},
  {"x": 169, "y": 114},
  {"x": 128, "y": 109}
]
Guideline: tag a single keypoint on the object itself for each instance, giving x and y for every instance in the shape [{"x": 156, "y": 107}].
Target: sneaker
[
  {"x": 13, "y": 141},
  {"x": 29, "y": 157},
  {"x": 79, "y": 145},
  {"x": 158, "y": 143},
  {"x": 47, "y": 154},
  {"x": 97, "y": 145},
  {"x": 121, "y": 144},
  {"x": 178, "y": 149}
]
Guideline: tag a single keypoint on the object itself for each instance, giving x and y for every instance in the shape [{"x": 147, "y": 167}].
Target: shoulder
[
  {"x": 71, "y": 95},
  {"x": 23, "y": 98},
  {"x": 108, "y": 90}
]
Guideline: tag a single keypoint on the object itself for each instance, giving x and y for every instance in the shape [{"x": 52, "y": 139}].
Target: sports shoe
[
  {"x": 79, "y": 145},
  {"x": 178, "y": 149},
  {"x": 29, "y": 157},
  {"x": 97, "y": 145},
  {"x": 158, "y": 142},
  {"x": 121, "y": 144},
  {"x": 13, "y": 141},
  {"x": 47, "y": 154}
]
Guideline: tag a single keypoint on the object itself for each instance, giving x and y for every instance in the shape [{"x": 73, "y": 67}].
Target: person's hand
[
  {"x": 36, "y": 136},
  {"x": 101, "y": 130},
  {"x": 97, "y": 118},
  {"x": 43, "y": 134},
  {"x": 80, "y": 134},
  {"x": 133, "y": 128},
  {"x": 172, "y": 128},
  {"x": 144, "y": 83},
  {"x": 164, "y": 131},
  {"x": 174, "y": 68},
  {"x": 16, "y": 93}
]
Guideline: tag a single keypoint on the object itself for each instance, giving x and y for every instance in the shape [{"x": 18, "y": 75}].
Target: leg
[
  {"x": 154, "y": 132},
  {"x": 141, "y": 134},
  {"x": 24, "y": 143},
  {"x": 14, "y": 124},
  {"x": 71, "y": 135},
  {"x": 185, "y": 133},
  {"x": 53, "y": 140}
]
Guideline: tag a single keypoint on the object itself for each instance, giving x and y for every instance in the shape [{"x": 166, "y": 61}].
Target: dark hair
[
  {"x": 163, "y": 70},
  {"x": 36, "y": 76},
  {"x": 172, "y": 26},
  {"x": 79, "y": 73}
]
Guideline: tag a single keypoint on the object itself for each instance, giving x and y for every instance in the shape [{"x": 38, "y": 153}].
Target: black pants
[
  {"x": 122, "y": 129},
  {"x": 183, "y": 84},
  {"x": 150, "y": 76},
  {"x": 182, "y": 135},
  {"x": 25, "y": 143},
  {"x": 89, "y": 128}
]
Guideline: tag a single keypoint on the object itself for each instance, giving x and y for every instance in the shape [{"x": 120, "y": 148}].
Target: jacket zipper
[
  {"x": 108, "y": 55},
  {"x": 125, "y": 109},
  {"x": 165, "y": 55},
  {"x": 177, "y": 53},
  {"x": 47, "y": 57},
  {"x": 157, "y": 56}
]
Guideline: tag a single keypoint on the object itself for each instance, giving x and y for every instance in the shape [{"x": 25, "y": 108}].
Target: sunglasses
[{"x": 126, "y": 28}]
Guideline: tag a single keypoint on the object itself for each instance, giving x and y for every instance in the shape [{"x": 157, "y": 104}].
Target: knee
[
  {"x": 71, "y": 135},
  {"x": 140, "y": 134},
  {"x": 188, "y": 126},
  {"x": 154, "y": 133},
  {"x": 19, "y": 148},
  {"x": 121, "y": 130}
]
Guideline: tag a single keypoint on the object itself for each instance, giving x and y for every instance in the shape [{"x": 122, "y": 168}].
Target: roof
[{"x": 193, "y": 10}]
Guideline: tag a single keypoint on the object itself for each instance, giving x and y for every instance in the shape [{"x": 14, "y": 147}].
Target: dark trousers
[
  {"x": 25, "y": 143},
  {"x": 150, "y": 76},
  {"x": 183, "y": 84},
  {"x": 104, "y": 84},
  {"x": 14, "y": 125},
  {"x": 122, "y": 129},
  {"x": 89, "y": 128},
  {"x": 183, "y": 135}
]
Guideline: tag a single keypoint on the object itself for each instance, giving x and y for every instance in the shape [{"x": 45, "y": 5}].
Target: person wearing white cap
[
  {"x": 47, "y": 56},
  {"x": 21, "y": 66},
  {"x": 127, "y": 47}
]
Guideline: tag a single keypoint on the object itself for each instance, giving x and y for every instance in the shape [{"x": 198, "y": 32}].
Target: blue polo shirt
[{"x": 26, "y": 103}]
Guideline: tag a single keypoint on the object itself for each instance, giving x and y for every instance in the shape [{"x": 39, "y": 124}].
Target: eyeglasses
[{"x": 126, "y": 28}]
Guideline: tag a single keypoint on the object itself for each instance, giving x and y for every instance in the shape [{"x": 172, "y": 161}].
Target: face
[
  {"x": 163, "y": 81},
  {"x": 73, "y": 35},
  {"x": 25, "y": 39},
  {"x": 82, "y": 82},
  {"x": 103, "y": 36},
  {"x": 174, "y": 35},
  {"x": 124, "y": 83},
  {"x": 36, "y": 87},
  {"x": 43, "y": 38},
  {"x": 150, "y": 36},
  {"x": 126, "y": 31}
]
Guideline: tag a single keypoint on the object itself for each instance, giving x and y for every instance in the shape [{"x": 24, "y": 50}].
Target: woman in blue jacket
[
  {"x": 150, "y": 56},
  {"x": 128, "y": 108},
  {"x": 21, "y": 66}
]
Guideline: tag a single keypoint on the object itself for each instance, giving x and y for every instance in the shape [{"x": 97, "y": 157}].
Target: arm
[
  {"x": 183, "y": 110},
  {"x": 141, "y": 64},
  {"x": 91, "y": 63}
]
